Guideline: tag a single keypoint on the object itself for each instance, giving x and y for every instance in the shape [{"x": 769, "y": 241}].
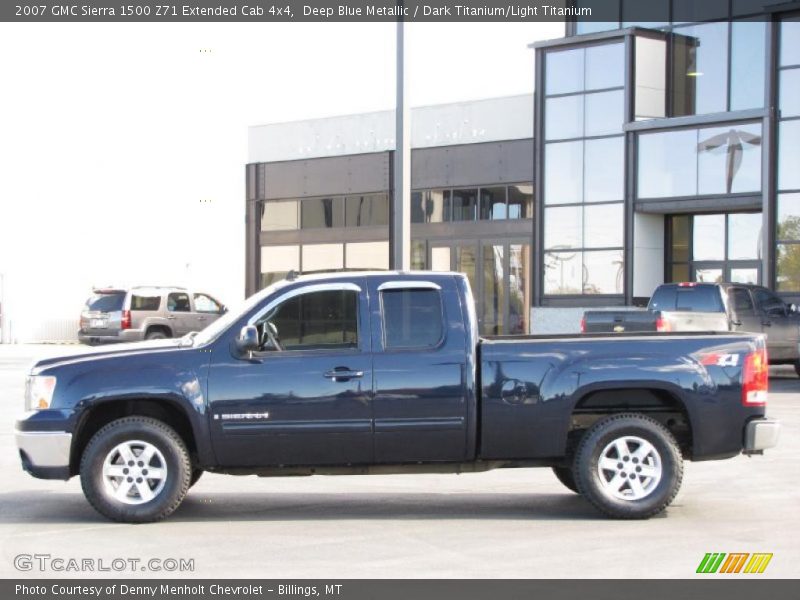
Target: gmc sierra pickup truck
[{"x": 360, "y": 373}]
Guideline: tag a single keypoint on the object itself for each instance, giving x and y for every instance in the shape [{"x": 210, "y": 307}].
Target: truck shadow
[{"x": 71, "y": 507}]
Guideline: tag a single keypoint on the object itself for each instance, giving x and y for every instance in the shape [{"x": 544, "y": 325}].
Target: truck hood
[{"x": 116, "y": 350}]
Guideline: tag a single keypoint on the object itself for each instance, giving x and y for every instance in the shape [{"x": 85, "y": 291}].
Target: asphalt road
[{"x": 507, "y": 523}]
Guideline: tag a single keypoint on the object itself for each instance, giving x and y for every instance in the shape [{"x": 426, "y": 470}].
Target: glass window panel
[
  {"x": 322, "y": 213},
  {"x": 650, "y": 101},
  {"x": 603, "y": 226},
  {"x": 367, "y": 210},
  {"x": 790, "y": 43},
  {"x": 440, "y": 259},
  {"x": 563, "y": 173},
  {"x": 789, "y": 217},
  {"x": 325, "y": 319},
  {"x": 744, "y": 276},
  {"x": 493, "y": 296},
  {"x": 367, "y": 255},
  {"x": 267, "y": 279},
  {"x": 465, "y": 204},
  {"x": 280, "y": 259},
  {"x": 519, "y": 297},
  {"x": 322, "y": 257},
  {"x": 700, "y": 69},
  {"x": 178, "y": 302},
  {"x": 603, "y": 272},
  {"x": 595, "y": 26},
  {"x": 708, "y": 275},
  {"x": 563, "y": 273},
  {"x": 493, "y": 203},
  {"x": 789, "y": 155},
  {"x": 466, "y": 262},
  {"x": 704, "y": 10},
  {"x": 418, "y": 207},
  {"x": 668, "y": 164},
  {"x": 563, "y": 227},
  {"x": 608, "y": 10},
  {"x": 789, "y": 102},
  {"x": 604, "y": 172},
  {"x": 418, "y": 255},
  {"x": 679, "y": 233},
  {"x": 564, "y": 71},
  {"x": 788, "y": 268},
  {"x": 563, "y": 117},
  {"x": 708, "y": 239},
  {"x": 520, "y": 201},
  {"x": 605, "y": 113},
  {"x": 680, "y": 273},
  {"x": 747, "y": 64},
  {"x": 605, "y": 66},
  {"x": 744, "y": 236},
  {"x": 279, "y": 216},
  {"x": 651, "y": 13},
  {"x": 412, "y": 318},
  {"x": 729, "y": 159}
]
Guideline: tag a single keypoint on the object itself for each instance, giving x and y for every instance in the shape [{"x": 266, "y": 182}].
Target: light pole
[{"x": 400, "y": 222}]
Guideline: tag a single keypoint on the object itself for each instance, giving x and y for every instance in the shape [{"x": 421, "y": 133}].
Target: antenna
[{"x": 292, "y": 275}]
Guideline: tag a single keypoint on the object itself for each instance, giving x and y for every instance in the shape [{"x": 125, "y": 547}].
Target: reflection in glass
[
  {"x": 493, "y": 299},
  {"x": 604, "y": 169},
  {"x": 603, "y": 226},
  {"x": 790, "y": 43},
  {"x": 605, "y": 113},
  {"x": 563, "y": 117},
  {"x": 650, "y": 100},
  {"x": 605, "y": 66},
  {"x": 668, "y": 164},
  {"x": 729, "y": 159},
  {"x": 708, "y": 275},
  {"x": 744, "y": 276},
  {"x": 595, "y": 26},
  {"x": 744, "y": 236},
  {"x": 279, "y": 216},
  {"x": 788, "y": 268},
  {"x": 520, "y": 201},
  {"x": 789, "y": 87},
  {"x": 564, "y": 71},
  {"x": 564, "y": 227},
  {"x": 466, "y": 261},
  {"x": 708, "y": 240},
  {"x": 519, "y": 296},
  {"x": 418, "y": 207},
  {"x": 440, "y": 258},
  {"x": 679, "y": 232},
  {"x": 367, "y": 210},
  {"x": 650, "y": 14},
  {"x": 603, "y": 272},
  {"x": 430, "y": 206},
  {"x": 692, "y": 10},
  {"x": 789, "y": 217},
  {"x": 563, "y": 273},
  {"x": 465, "y": 204},
  {"x": 493, "y": 203},
  {"x": 417, "y": 255},
  {"x": 563, "y": 168},
  {"x": 322, "y": 213},
  {"x": 700, "y": 69},
  {"x": 747, "y": 64},
  {"x": 680, "y": 272},
  {"x": 789, "y": 155}
]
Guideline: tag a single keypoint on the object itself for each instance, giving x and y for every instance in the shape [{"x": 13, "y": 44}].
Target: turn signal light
[
  {"x": 755, "y": 378},
  {"x": 663, "y": 325},
  {"x": 125, "y": 323},
  {"x": 583, "y": 324}
]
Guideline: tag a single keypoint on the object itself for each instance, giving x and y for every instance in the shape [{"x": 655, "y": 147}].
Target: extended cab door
[
  {"x": 419, "y": 365},
  {"x": 779, "y": 324},
  {"x": 305, "y": 397},
  {"x": 206, "y": 311}
]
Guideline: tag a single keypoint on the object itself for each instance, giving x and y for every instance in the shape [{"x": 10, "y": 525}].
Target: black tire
[
  {"x": 601, "y": 494},
  {"x": 564, "y": 475},
  {"x": 196, "y": 475},
  {"x": 143, "y": 430},
  {"x": 156, "y": 334}
]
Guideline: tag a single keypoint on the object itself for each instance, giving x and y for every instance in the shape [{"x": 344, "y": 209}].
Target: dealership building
[{"x": 647, "y": 153}]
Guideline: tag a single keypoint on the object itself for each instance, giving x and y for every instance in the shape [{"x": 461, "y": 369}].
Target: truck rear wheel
[
  {"x": 135, "y": 470},
  {"x": 564, "y": 475},
  {"x": 629, "y": 466}
]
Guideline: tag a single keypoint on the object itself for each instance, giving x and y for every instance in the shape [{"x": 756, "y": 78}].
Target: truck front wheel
[
  {"x": 629, "y": 466},
  {"x": 135, "y": 470}
]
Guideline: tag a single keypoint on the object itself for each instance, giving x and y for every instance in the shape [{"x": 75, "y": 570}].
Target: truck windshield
[
  {"x": 700, "y": 298},
  {"x": 106, "y": 302}
]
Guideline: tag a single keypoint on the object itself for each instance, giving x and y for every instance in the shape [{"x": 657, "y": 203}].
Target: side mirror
[{"x": 248, "y": 339}]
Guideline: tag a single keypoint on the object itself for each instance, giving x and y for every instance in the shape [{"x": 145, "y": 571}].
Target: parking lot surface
[{"x": 517, "y": 523}]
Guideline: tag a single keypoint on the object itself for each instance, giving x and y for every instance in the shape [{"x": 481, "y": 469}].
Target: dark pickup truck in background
[
  {"x": 709, "y": 307},
  {"x": 359, "y": 373}
]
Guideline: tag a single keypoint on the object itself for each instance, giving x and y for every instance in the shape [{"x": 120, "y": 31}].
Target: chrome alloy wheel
[
  {"x": 629, "y": 468},
  {"x": 134, "y": 472}
]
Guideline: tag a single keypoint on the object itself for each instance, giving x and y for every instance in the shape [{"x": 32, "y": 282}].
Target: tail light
[
  {"x": 125, "y": 323},
  {"x": 662, "y": 324},
  {"x": 583, "y": 324},
  {"x": 755, "y": 378}
]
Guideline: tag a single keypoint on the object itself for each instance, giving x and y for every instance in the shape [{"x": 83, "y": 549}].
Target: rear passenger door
[
  {"x": 179, "y": 313},
  {"x": 419, "y": 363}
]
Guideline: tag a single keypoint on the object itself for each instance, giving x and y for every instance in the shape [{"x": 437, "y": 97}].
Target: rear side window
[
  {"x": 145, "y": 302},
  {"x": 106, "y": 302},
  {"x": 741, "y": 302},
  {"x": 411, "y": 318}
]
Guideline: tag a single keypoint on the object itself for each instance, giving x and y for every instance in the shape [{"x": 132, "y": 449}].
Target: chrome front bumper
[
  {"x": 45, "y": 454},
  {"x": 761, "y": 434}
]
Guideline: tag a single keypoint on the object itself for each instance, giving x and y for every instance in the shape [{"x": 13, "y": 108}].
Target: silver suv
[{"x": 145, "y": 313}]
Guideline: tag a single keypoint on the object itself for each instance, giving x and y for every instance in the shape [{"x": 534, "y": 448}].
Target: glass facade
[
  {"x": 364, "y": 210},
  {"x": 488, "y": 203}
]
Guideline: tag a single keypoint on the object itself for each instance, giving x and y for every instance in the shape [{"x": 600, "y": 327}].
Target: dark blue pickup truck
[{"x": 361, "y": 373}]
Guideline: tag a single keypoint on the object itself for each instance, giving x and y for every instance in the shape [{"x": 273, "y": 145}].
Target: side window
[
  {"x": 145, "y": 302},
  {"x": 741, "y": 303},
  {"x": 206, "y": 304},
  {"x": 769, "y": 303},
  {"x": 314, "y": 321},
  {"x": 412, "y": 318},
  {"x": 178, "y": 302}
]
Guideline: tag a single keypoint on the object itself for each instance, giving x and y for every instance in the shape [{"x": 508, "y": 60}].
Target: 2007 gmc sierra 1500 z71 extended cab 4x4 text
[{"x": 358, "y": 373}]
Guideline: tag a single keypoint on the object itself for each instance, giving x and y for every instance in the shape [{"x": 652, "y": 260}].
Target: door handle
[
  {"x": 171, "y": 317},
  {"x": 736, "y": 323},
  {"x": 766, "y": 323},
  {"x": 342, "y": 374}
]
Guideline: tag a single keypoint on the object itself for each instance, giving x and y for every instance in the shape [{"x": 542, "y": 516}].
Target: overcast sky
[{"x": 122, "y": 146}]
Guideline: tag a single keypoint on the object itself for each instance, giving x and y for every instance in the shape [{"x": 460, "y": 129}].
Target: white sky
[{"x": 122, "y": 146}]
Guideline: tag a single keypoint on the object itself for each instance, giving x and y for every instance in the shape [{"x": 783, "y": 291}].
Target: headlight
[{"x": 39, "y": 391}]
